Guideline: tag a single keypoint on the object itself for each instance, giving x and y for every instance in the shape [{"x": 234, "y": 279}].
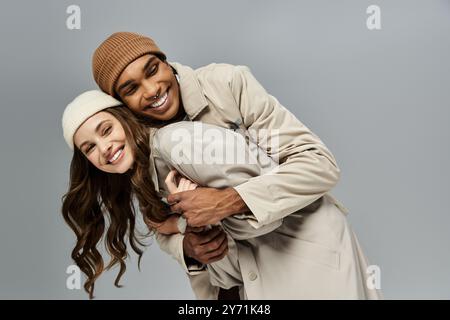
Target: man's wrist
[
  {"x": 234, "y": 203},
  {"x": 189, "y": 261}
]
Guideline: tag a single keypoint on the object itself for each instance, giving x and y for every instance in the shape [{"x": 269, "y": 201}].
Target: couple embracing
[{"x": 263, "y": 228}]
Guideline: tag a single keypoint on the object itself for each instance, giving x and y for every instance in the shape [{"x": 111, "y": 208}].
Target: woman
[{"x": 94, "y": 189}]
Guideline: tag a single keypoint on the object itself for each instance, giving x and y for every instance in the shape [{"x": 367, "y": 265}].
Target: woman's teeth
[
  {"x": 160, "y": 101},
  {"x": 116, "y": 155}
]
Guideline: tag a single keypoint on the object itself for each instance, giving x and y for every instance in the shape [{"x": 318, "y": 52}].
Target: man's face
[{"x": 149, "y": 87}]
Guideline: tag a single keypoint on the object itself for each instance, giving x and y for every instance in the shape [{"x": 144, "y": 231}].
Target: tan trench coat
[{"x": 297, "y": 243}]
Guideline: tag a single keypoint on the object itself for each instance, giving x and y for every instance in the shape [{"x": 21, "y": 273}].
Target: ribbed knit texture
[{"x": 116, "y": 53}]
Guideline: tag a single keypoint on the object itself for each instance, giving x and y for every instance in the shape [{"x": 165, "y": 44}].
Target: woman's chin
[
  {"x": 123, "y": 167},
  {"x": 127, "y": 166}
]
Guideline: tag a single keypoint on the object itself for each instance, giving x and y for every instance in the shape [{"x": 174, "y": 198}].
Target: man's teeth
[
  {"x": 160, "y": 101},
  {"x": 116, "y": 155}
]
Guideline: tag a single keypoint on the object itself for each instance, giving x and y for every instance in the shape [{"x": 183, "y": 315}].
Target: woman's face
[
  {"x": 149, "y": 87},
  {"x": 101, "y": 138}
]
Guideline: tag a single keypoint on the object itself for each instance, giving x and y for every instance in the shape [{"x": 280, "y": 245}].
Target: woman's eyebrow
[
  {"x": 82, "y": 145},
  {"x": 97, "y": 128}
]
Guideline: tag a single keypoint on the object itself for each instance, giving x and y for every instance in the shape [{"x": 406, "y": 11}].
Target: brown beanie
[{"x": 116, "y": 53}]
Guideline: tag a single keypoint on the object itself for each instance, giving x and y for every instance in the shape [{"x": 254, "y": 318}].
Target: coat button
[{"x": 252, "y": 276}]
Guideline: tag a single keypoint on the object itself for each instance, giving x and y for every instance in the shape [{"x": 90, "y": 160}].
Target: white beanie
[{"x": 82, "y": 108}]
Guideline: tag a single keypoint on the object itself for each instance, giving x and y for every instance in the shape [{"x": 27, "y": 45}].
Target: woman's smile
[{"x": 116, "y": 156}]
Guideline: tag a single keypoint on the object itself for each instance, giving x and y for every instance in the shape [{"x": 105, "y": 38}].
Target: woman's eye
[
  {"x": 107, "y": 130},
  {"x": 89, "y": 149}
]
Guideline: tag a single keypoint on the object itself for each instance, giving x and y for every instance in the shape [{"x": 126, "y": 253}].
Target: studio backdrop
[{"x": 370, "y": 78}]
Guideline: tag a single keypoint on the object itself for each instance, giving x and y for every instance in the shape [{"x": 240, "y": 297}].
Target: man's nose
[{"x": 151, "y": 89}]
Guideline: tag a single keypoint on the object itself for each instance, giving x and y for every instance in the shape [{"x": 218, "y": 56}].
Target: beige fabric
[
  {"x": 224, "y": 273},
  {"x": 314, "y": 253}
]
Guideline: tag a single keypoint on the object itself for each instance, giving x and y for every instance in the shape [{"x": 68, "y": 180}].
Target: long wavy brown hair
[{"x": 95, "y": 197}]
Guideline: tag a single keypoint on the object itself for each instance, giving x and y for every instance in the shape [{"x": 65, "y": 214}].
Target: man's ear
[{"x": 173, "y": 69}]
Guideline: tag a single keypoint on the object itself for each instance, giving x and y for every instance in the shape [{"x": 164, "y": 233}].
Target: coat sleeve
[
  {"x": 210, "y": 174},
  {"x": 198, "y": 275},
  {"x": 307, "y": 169},
  {"x": 180, "y": 144},
  {"x": 173, "y": 245}
]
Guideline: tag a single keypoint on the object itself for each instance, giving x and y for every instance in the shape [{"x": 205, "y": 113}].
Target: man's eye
[
  {"x": 131, "y": 89},
  {"x": 152, "y": 70}
]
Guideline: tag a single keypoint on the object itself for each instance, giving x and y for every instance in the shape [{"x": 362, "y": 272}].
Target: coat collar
[
  {"x": 152, "y": 166},
  {"x": 192, "y": 96},
  {"x": 194, "y": 102}
]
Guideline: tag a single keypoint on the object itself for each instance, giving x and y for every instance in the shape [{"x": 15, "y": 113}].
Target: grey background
[{"x": 378, "y": 99}]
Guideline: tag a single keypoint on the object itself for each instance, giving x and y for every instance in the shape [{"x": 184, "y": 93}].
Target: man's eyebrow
[
  {"x": 128, "y": 82},
  {"x": 149, "y": 61},
  {"x": 97, "y": 128}
]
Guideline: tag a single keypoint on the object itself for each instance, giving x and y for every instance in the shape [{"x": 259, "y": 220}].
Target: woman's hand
[
  {"x": 169, "y": 226},
  {"x": 184, "y": 184},
  {"x": 203, "y": 244}
]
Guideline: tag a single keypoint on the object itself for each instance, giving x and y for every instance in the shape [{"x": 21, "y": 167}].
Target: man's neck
[{"x": 180, "y": 114}]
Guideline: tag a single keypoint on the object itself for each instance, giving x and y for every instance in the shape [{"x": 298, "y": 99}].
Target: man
[{"x": 132, "y": 68}]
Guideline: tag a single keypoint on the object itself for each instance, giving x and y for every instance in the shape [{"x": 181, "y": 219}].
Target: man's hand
[
  {"x": 206, "y": 246},
  {"x": 204, "y": 206}
]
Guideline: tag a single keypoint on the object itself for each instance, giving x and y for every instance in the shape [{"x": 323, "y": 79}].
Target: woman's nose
[{"x": 105, "y": 149}]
